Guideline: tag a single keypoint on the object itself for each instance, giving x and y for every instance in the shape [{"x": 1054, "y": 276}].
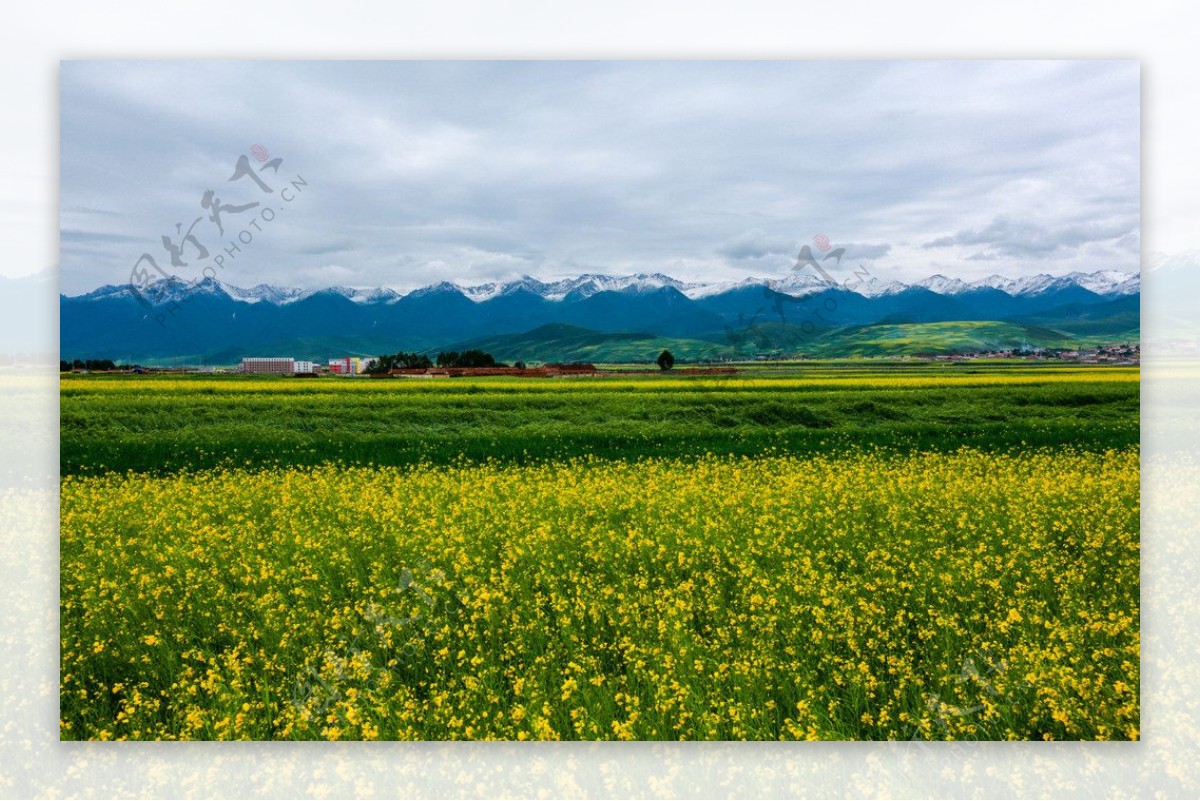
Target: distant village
[
  {"x": 477, "y": 363},
  {"x": 446, "y": 368},
  {"x": 1116, "y": 355},
  {"x": 346, "y": 366}
]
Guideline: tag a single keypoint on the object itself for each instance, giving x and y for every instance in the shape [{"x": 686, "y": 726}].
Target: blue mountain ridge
[{"x": 175, "y": 320}]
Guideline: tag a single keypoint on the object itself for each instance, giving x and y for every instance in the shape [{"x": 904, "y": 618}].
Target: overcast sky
[{"x": 471, "y": 172}]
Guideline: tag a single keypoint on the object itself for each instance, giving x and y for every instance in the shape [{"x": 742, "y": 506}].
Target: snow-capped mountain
[
  {"x": 800, "y": 284},
  {"x": 1108, "y": 282},
  {"x": 1102, "y": 282},
  {"x": 172, "y": 316},
  {"x": 700, "y": 291},
  {"x": 943, "y": 285},
  {"x": 483, "y": 292},
  {"x": 379, "y": 295},
  {"x": 173, "y": 289},
  {"x": 876, "y": 287},
  {"x": 589, "y": 284},
  {"x": 797, "y": 284},
  {"x": 262, "y": 292},
  {"x": 440, "y": 288}
]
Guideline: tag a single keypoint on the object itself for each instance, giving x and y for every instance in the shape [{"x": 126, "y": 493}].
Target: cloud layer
[{"x": 475, "y": 171}]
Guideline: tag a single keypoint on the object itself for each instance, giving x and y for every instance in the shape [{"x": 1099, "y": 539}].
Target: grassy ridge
[
  {"x": 559, "y": 342},
  {"x": 568, "y": 343},
  {"x": 161, "y": 425},
  {"x": 906, "y": 339}
]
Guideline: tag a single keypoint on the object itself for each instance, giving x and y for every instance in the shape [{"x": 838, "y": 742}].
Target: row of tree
[
  {"x": 468, "y": 358},
  {"x": 65, "y": 366},
  {"x": 419, "y": 361},
  {"x": 401, "y": 360}
]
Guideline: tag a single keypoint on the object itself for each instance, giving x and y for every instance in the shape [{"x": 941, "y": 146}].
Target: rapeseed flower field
[{"x": 968, "y": 593}]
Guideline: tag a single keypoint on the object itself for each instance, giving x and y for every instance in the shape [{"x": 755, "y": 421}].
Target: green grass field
[
  {"x": 165, "y": 424},
  {"x": 837, "y": 550},
  {"x": 954, "y": 337}
]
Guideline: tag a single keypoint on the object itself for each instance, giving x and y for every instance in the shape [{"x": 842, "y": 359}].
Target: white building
[{"x": 304, "y": 367}]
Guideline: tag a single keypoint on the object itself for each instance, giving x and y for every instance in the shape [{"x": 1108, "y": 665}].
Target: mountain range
[
  {"x": 217, "y": 323},
  {"x": 795, "y": 284}
]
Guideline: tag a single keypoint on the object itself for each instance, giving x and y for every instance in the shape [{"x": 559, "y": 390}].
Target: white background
[{"x": 35, "y": 36}]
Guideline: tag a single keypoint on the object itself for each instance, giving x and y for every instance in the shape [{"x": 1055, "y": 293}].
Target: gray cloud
[
  {"x": 755, "y": 244},
  {"x": 865, "y": 252},
  {"x": 428, "y": 171},
  {"x": 95, "y": 237},
  {"x": 1005, "y": 236},
  {"x": 327, "y": 248}
]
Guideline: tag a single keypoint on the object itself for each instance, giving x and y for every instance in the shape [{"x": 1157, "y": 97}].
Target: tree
[
  {"x": 475, "y": 358},
  {"x": 519, "y": 364},
  {"x": 412, "y": 360},
  {"x": 399, "y": 360},
  {"x": 468, "y": 358},
  {"x": 665, "y": 360}
]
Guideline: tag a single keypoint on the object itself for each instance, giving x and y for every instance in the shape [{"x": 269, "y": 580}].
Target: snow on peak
[
  {"x": 1037, "y": 284},
  {"x": 262, "y": 292},
  {"x": 698, "y": 291},
  {"x": 582, "y": 286},
  {"x": 441, "y": 287},
  {"x": 798, "y": 284},
  {"x": 875, "y": 287},
  {"x": 942, "y": 285},
  {"x": 995, "y": 282},
  {"x": 1102, "y": 282},
  {"x": 1108, "y": 282},
  {"x": 795, "y": 283},
  {"x": 482, "y": 292}
]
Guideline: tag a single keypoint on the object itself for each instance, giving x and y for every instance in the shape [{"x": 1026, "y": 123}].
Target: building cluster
[
  {"x": 545, "y": 371},
  {"x": 1113, "y": 355},
  {"x": 348, "y": 365},
  {"x": 279, "y": 365},
  {"x": 353, "y": 365}
]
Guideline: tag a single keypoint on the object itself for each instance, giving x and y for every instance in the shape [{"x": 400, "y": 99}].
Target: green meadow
[{"x": 162, "y": 424}]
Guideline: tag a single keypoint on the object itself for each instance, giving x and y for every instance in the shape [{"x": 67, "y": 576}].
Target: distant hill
[
  {"x": 1120, "y": 319},
  {"x": 912, "y": 339},
  {"x": 173, "y": 320},
  {"x": 567, "y": 343},
  {"x": 558, "y": 342}
]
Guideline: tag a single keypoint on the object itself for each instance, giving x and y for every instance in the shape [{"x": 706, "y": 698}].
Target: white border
[{"x": 37, "y": 35}]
